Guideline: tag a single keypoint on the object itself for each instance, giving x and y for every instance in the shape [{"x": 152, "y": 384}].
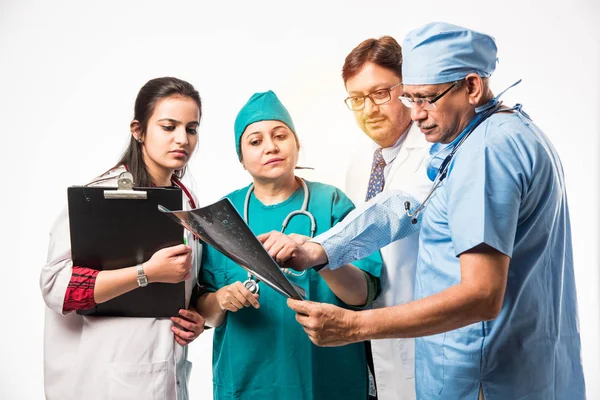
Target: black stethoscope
[
  {"x": 483, "y": 113},
  {"x": 442, "y": 171},
  {"x": 252, "y": 283}
]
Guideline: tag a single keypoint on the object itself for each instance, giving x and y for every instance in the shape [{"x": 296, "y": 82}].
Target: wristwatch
[{"x": 142, "y": 279}]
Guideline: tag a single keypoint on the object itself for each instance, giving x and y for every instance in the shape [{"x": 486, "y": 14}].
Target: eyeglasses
[
  {"x": 424, "y": 103},
  {"x": 377, "y": 97}
]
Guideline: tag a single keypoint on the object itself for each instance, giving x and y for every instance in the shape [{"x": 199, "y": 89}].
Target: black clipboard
[
  {"x": 221, "y": 226},
  {"x": 113, "y": 228}
]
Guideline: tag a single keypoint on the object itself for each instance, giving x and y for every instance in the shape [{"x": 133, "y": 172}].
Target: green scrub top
[{"x": 264, "y": 353}]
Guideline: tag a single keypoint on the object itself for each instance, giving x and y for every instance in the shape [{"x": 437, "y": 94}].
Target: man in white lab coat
[{"x": 392, "y": 156}]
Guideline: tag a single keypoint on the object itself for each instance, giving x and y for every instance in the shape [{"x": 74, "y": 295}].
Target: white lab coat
[
  {"x": 393, "y": 359},
  {"x": 107, "y": 358}
]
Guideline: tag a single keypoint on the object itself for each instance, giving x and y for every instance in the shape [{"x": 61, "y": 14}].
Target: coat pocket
[{"x": 138, "y": 381}]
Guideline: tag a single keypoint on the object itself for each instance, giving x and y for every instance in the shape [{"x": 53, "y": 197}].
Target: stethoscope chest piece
[{"x": 251, "y": 285}]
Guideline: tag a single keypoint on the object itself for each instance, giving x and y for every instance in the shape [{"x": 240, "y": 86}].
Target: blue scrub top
[{"x": 505, "y": 188}]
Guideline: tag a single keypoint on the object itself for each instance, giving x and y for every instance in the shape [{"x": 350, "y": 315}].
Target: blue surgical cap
[
  {"x": 263, "y": 106},
  {"x": 439, "y": 52}
]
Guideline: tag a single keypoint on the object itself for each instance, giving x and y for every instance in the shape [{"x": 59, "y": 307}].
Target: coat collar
[{"x": 415, "y": 139}]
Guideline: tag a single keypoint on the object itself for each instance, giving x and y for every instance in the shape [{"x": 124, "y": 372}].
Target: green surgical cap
[{"x": 264, "y": 106}]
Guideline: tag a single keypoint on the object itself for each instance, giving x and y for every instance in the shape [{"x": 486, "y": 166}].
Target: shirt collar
[{"x": 390, "y": 153}]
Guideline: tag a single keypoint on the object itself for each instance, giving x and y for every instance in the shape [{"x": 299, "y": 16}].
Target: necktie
[{"x": 376, "y": 179}]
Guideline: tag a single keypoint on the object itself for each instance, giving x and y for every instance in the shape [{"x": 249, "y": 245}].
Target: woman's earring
[{"x": 139, "y": 140}]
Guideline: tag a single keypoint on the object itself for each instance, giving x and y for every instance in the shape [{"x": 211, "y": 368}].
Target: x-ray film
[{"x": 221, "y": 226}]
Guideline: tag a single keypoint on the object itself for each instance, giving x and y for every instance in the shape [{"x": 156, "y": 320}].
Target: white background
[{"x": 70, "y": 71}]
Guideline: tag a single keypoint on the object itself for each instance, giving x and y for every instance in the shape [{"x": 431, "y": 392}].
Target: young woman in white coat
[{"x": 117, "y": 357}]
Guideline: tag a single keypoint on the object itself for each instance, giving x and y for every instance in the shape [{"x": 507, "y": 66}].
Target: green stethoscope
[{"x": 252, "y": 283}]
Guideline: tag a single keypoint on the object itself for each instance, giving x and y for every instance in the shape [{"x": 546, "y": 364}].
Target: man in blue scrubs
[{"x": 496, "y": 309}]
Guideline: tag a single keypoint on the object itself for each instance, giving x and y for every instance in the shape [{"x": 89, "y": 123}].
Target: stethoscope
[
  {"x": 252, "y": 283},
  {"x": 482, "y": 113}
]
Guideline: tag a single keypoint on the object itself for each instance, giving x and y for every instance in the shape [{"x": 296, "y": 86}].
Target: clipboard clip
[{"x": 125, "y": 189}]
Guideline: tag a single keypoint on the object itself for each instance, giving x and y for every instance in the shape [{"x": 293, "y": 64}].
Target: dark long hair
[{"x": 153, "y": 91}]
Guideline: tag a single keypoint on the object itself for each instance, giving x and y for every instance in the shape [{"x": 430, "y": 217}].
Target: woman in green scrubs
[{"x": 260, "y": 351}]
